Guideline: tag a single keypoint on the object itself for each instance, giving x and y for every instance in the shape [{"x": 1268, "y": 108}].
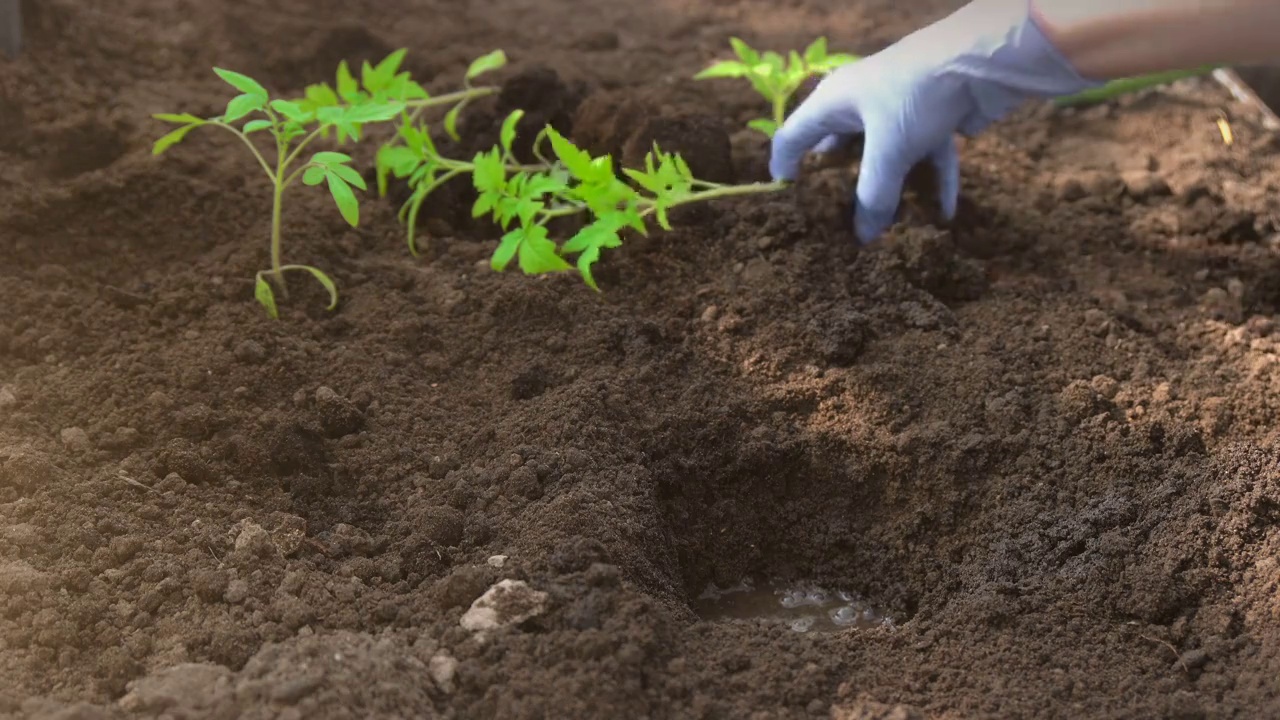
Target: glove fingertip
[{"x": 870, "y": 225}]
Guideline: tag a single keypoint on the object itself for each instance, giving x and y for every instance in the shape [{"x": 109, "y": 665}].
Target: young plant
[
  {"x": 524, "y": 199},
  {"x": 382, "y": 94},
  {"x": 776, "y": 77}
]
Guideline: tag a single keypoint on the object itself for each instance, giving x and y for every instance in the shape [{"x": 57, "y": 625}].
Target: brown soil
[{"x": 1044, "y": 439}]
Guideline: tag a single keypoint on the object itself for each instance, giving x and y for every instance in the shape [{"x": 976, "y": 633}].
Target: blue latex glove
[{"x": 957, "y": 76}]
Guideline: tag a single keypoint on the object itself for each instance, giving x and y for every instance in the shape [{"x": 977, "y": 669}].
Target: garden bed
[{"x": 1042, "y": 441}]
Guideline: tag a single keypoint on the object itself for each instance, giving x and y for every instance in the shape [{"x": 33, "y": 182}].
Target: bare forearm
[{"x": 1108, "y": 39}]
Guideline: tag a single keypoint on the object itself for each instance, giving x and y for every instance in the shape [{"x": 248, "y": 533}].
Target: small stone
[
  {"x": 338, "y": 416},
  {"x": 250, "y": 352},
  {"x": 1235, "y": 288},
  {"x": 509, "y": 602},
  {"x": 1040, "y": 333},
  {"x": 237, "y": 591},
  {"x": 443, "y": 668},
  {"x": 7, "y": 397},
  {"x": 710, "y": 314},
  {"x": 294, "y": 690},
  {"x": 253, "y": 540},
  {"x": 1096, "y": 321},
  {"x": 1105, "y": 386},
  {"x": 290, "y": 535},
  {"x": 729, "y": 323},
  {"x": 1193, "y": 659},
  {"x": 76, "y": 439},
  {"x": 442, "y": 524},
  {"x": 210, "y": 585},
  {"x": 497, "y": 561},
  {"x": 350, "y": 540},
  {"x": 1221, "y": 305},
  {"x": 766, "y": 241}
]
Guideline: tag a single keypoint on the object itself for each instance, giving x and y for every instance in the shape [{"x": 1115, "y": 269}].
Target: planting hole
[{"x": 802, "y": 607}]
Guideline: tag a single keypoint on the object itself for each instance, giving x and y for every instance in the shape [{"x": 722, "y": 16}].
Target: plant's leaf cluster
[
  {"x": 775, "y": 76},
  {"x": 523, "y": 200},
  {"x": 333, "y": 168}
]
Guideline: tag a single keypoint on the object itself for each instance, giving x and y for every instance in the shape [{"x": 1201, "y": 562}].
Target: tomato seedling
[
  {"x": 383, "y": 93},
  {"x": 523, "y": 199},
  {"x": 776, "y": 77}
]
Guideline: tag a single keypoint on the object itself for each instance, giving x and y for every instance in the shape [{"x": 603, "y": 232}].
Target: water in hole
[{"x": 801, "y": 607}]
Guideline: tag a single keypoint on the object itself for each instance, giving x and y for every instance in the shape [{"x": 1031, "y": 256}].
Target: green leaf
[
  {"x": 348, "y": 174},
  {"x": 486, "y": 63},
  {"x": 171, "y": 139},
  {"x": 398, "y": 159},
  {"x": 390, "y": 65},
  {"x": 345, "y": 199},
  {"x": 744, "y": 51},
  {"x": 292, "y": 131},
  {"x": 577, "y": 161},
  {"x": 726, "y": 69},
  {"x": 586, "y": 260},
  {"x": 508, "y": 134},
  {"x": 490, "y": 172},
  {"x": 542, "y": 184},
  {"x": 328, "y": 158},
  {"x": 323, "y": 280},
  {"x": 242, "y": 105},
  {"x": 796, "y": 69},
  {"x": 538, "y": 253},
  {"x": 290, "y": 110},
  {"x": 768, "y": 127},
  {"x": 266, "y": 296},
  {"x": 243, "y": 83},
  {"x": 348, "y": 89},
  {"x": 314, "y": 175},
  {"x": 831, "y": 62},
  {"x": 254, "y": 126},
  {"x": 184, "y": 118},
  {"x": 320, "y": 96},
  {"x": 451, "y": 121},
  {"x": 373, "y": 112},
  {"x": 816, "y": 52},
  {"x": 507, "y": 249}
]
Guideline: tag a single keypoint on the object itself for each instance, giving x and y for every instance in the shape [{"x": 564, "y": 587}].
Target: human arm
[
  {"x": 972, "y": 68},
  {"x": 1122, "y": 38}
]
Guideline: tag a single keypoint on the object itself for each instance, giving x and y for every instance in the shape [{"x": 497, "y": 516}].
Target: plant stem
[
  {"x": 416, "y": 204},
  {"x": 1125, "y": 86},
  {"x": 252, "y": 148},
  {"x": 286, "y": 162},
  {"x": 277, "y": 211},
  {"x": 780, "y": 109},
  {"x": 453, "y": 98},
  {"x": 721, "y": 192}
]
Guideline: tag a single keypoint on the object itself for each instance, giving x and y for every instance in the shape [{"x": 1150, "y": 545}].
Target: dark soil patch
[{"x": 1043, "y": 439}]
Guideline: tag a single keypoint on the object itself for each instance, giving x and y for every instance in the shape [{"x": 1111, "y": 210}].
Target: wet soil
[{"x": 1043, "y": 441}]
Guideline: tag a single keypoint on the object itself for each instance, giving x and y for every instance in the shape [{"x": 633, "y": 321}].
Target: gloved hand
[{"x": 959, "y": 75}]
